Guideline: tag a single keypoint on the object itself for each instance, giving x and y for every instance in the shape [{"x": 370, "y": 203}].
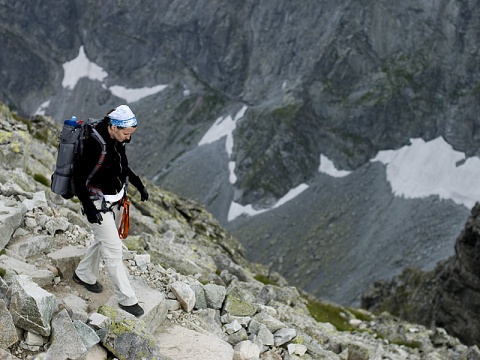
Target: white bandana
[{"x": 122, "y": 117}]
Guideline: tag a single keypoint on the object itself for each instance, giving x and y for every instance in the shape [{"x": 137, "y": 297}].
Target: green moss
[
  {"x": 24, "y": 121},
  {"x": 298, "y": 340},
  {"x": 43, "y": 135},
  {"x": 2, "y": 272},
  {"x": 286, "y": 112},
  {"x": 329, "y": 313},
  {"x": 361, "y": 315},
  {"x": 411, "y": 344},
  {"x": 265, "y": 280},
  {"x": 135, "y": 243},
  {"x": 41, "y": 179},
  {"x": 237, "y": 307},
  {"x": 117, "y": 327}
]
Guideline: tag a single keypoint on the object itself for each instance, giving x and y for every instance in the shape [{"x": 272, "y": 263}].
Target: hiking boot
[
  {"x": 135, "y": 310},
  {"x": 95, "y": 288}
]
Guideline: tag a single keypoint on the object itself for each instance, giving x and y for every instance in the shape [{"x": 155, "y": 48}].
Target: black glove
[
  {"x": 143, "y": 194},
  {"x": 93, "y": 215}
]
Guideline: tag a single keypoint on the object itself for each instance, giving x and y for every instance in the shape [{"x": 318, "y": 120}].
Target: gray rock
[
  {"x": 237, "y": 337},
  {"x": 38, "y": 200},
  {"x": 9, "y": 333},
  {"x": 77, "y": 307},
  {"x": 66, "y": 341},
  {"x": 3, "y": 289},
  {"x": 41, "y": 276},
  {"x": 232, "y": 327},
  {"x": 246, "y": 350},
  {"x": 223, "y": 262},
  {"x": 152, "y": 301},
  {"x": 209, "y": 319},
  {"x": 98, "y": 321},
  {"x": 185, "y": 295},
  {"x": 34, "y": 339},
  {"x": 128, "y": 337},
  {"x": 269, "y": 321},
  {"x": 265, "y": 336},
  {"x": 283, "y": 336},
  {"x": 236, "y": 305},
  {"x": 5, "y": 355},
  {"x": 11, "y": 218},
  {"x": 270, "y": 355},
  {"x": 215, "y": 295},
  {"x": 31, "y": 306},
  {"x": 66, "y": 259},
  {"x": 200, "y": 299},
  {"x": 86, "y": 333},
  {"x": 27, "y": 246},
  {"x": 296, "y": 349},
  {"x": 177, "y": 342},
  {"x": 57, "y": 225}
]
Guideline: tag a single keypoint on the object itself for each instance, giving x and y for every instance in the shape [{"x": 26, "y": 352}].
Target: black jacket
[{"x": 111, "y": 176}]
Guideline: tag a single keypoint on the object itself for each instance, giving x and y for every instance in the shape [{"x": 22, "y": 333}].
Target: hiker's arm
[{"x": 135, "y": 180}]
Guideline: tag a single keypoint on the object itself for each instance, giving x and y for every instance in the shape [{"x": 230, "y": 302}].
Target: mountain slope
[
  {"x": 42, "y": 237},
  {"x": 341, "y": 79}
]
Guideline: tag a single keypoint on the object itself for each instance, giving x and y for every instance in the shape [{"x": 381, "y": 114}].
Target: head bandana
[{"x": 122, "y": 117}]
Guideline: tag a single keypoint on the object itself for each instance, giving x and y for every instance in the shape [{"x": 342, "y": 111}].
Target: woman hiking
[{"x": 101, "y": 200}]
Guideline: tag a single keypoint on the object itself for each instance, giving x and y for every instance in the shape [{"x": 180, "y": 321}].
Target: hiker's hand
[
  {"x": 94, "y": 216},
  {"x": 143, "y": 194}
]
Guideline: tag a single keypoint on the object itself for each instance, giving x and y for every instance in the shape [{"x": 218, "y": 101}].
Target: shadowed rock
[{"x": 447, "y": 297}]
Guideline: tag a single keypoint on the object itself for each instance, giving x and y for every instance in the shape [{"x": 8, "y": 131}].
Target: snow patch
[
  {"x": 132, "y": 95},
  {"x": 327, "y": 167},
  {"x": 422, "y": 169},
  {"x": 81, "y": 67},
  {"x": 237, "y": 209}
]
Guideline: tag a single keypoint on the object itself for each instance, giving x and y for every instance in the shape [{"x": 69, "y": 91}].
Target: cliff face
[
  {"x": 341, "y": 78},
  {"x": 447, "y": 296}
]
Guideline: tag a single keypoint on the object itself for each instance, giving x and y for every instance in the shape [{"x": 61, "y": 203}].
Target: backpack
[{"x": 70, "y": 148}]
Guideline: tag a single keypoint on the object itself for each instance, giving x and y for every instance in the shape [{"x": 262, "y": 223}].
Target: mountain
[
  {"x": 294, "y": 84},
  {"x": 202, "y": 298},
  {"x": 446, "y": 296}
]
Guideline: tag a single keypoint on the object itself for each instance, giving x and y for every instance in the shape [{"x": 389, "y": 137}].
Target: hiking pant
[{"x": 107, "y": 244}]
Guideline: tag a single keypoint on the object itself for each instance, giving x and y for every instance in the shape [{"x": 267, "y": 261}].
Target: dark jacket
[{"x": 111, "y": 176}]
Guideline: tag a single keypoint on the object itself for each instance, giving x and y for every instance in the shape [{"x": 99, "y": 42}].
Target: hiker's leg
[
  {"x": 111, "y": 247},
  {"x": 118, "y": 215},
  {"x": 87, "y": 269}
]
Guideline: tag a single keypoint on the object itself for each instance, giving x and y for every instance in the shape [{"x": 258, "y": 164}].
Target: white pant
[{"x": 107, "y": 244}]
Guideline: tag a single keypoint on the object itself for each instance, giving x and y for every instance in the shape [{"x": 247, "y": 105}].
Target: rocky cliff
[
  {"x": 202, "y": 298},
  {"x": 447, "y": 296},
  {"x": 340, "y": 78}
]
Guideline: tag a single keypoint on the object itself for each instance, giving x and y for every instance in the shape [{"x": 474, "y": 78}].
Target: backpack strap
[{"x": 97, "y": 193}]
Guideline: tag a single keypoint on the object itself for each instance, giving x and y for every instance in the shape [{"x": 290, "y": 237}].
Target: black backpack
[{"x": 70, "y": 148}]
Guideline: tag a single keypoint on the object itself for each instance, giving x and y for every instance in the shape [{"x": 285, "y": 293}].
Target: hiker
[{"x": 100, "y": 201}]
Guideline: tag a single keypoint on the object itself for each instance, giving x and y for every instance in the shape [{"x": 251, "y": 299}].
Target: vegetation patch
[
  {"x": 265, "y": 280},
  {"x": 329, "y": 313},
  {"x": 24, "y": 121},
  {"x": 41, "y": 179},
  {"x": 286, "y": 112},
  {"x": 361, "y": 315}
]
